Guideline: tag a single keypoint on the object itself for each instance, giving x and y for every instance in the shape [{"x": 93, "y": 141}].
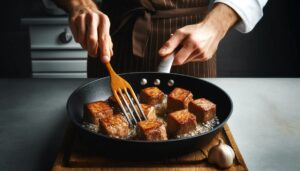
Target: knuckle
[
  {"x": 102, "y": 38},
  {"x": 180, "y": 31},
  {"x": 101, "y": 41},
  {"x": 104, "y": 17},
  {"x": 167, "y": 44},
  {"x": 92, "y": 40},
  {"x": 92, "y": 15},
  {"x": 104, "y": 20}
]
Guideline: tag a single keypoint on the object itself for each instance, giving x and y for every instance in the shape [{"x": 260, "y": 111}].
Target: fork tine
[
  {"x": 122, "y": 107},
  {"x": 137, "y": 102},
  {"x": 126, "y": 104},
  {"x": 132, "y": 105},
  {"x": 119, "y": 86}
]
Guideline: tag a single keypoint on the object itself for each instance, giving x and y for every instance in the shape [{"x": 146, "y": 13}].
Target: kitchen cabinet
[{"x": 53, "y": 51}]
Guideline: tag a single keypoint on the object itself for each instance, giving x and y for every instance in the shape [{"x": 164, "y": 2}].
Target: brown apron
[{"x": 140, "y": 28}]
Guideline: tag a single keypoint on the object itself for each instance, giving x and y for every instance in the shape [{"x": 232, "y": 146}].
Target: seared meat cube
[
  {"x": 151, "y": 96},
  {"x": 149, "y": 111},
  {"x": 181, "y": 122},
  {"x": 96, "y": 111},
  {"x": 204, "y": 109},
  {"x": 153, "y": 130},
  {"x": 179, "y": 99},
  {"x": 115, "y": 126}
]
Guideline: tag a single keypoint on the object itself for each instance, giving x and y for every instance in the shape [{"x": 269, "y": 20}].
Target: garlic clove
[{"x": 221, "y": 155}]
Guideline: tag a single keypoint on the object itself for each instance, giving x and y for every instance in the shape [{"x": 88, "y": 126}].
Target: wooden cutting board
[{"x": 74, "y": 156}]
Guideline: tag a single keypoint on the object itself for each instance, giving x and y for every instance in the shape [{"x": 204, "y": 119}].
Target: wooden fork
[{"x": 123, "y": 93}]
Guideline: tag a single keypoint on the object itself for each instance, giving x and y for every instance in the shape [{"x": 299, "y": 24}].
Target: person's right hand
[{"x": 90, "y": 28}]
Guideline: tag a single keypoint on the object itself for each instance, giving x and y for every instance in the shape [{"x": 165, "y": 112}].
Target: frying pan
[{"x": 100, "y": 90}]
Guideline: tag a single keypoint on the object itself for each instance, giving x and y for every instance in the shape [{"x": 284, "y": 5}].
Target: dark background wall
[
  {"x": 14, "y": 41},
  {"x": 270, "y": 50}
]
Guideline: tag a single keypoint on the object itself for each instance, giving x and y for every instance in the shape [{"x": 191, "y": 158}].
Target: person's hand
[
  {"x": 199, "y": 42},
  {"x": 90, "y": 28}
]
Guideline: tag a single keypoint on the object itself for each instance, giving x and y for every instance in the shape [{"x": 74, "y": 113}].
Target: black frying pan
[{"x": 100, "y": 90}]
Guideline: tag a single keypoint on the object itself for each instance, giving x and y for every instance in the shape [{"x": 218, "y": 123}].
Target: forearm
[
  {"x": 199, "y": 42},
  {"x": 221, "y": 16},
  {"x": 249, "y": 11},
  {"x": 71, "y": 5}
]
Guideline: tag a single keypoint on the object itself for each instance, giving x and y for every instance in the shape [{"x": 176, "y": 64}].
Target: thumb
[{"x": 171, "y": 44}]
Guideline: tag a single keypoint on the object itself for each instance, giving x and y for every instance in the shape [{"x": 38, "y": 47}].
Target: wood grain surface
[{"x": 74, "y": 156}]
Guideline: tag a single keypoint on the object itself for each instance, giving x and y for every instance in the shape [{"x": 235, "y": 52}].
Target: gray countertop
[{"x": 265, "y": 121}]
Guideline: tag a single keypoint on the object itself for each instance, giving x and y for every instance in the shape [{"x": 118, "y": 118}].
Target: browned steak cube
[
  {"x": 181, "y": 122},
  {"x": 96, "y": 111},
  {"x": 149, "y": 111},
  {"x": 152, "y": 130},
  {"x": 151, "y": 96},
  {"x": 115, "y": 126},
  {"x": 179, "y": 99},
  {"x": 204, "y": 109}
]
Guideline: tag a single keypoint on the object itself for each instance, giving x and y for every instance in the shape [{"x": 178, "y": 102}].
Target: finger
[
  {"x": 194, "y": 56},
  {"x": 92, "y": 34},
  {"x": 184, "y": 53},
  {"x": 105, "y": 53},
  {"x": 210, "y": 49},
  {"x": 111, "y": 49},
  {"x": 73, "y": 28},
  {"x": 171, "y": 44},
  {"x": 200, "y": 58},
  {"x": 105, "y": 44},
  {"x": 81, "y": 28},
  {"x": 202, "y": 53}
]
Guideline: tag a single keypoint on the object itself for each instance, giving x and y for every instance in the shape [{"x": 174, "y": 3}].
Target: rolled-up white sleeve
[{"x": 250, "y": 12}]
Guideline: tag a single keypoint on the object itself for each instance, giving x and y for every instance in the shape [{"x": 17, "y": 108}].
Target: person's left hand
[{"x": 198, "y": 42}]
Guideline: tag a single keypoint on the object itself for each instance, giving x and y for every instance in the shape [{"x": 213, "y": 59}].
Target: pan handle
[{"x": 166, "y": 63}]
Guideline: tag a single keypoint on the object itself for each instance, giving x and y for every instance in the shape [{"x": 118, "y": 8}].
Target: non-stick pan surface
[{"x": 100, "y": 90}]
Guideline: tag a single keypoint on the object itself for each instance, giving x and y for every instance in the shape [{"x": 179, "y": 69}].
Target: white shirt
[{"x": 250, "y": 12}]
